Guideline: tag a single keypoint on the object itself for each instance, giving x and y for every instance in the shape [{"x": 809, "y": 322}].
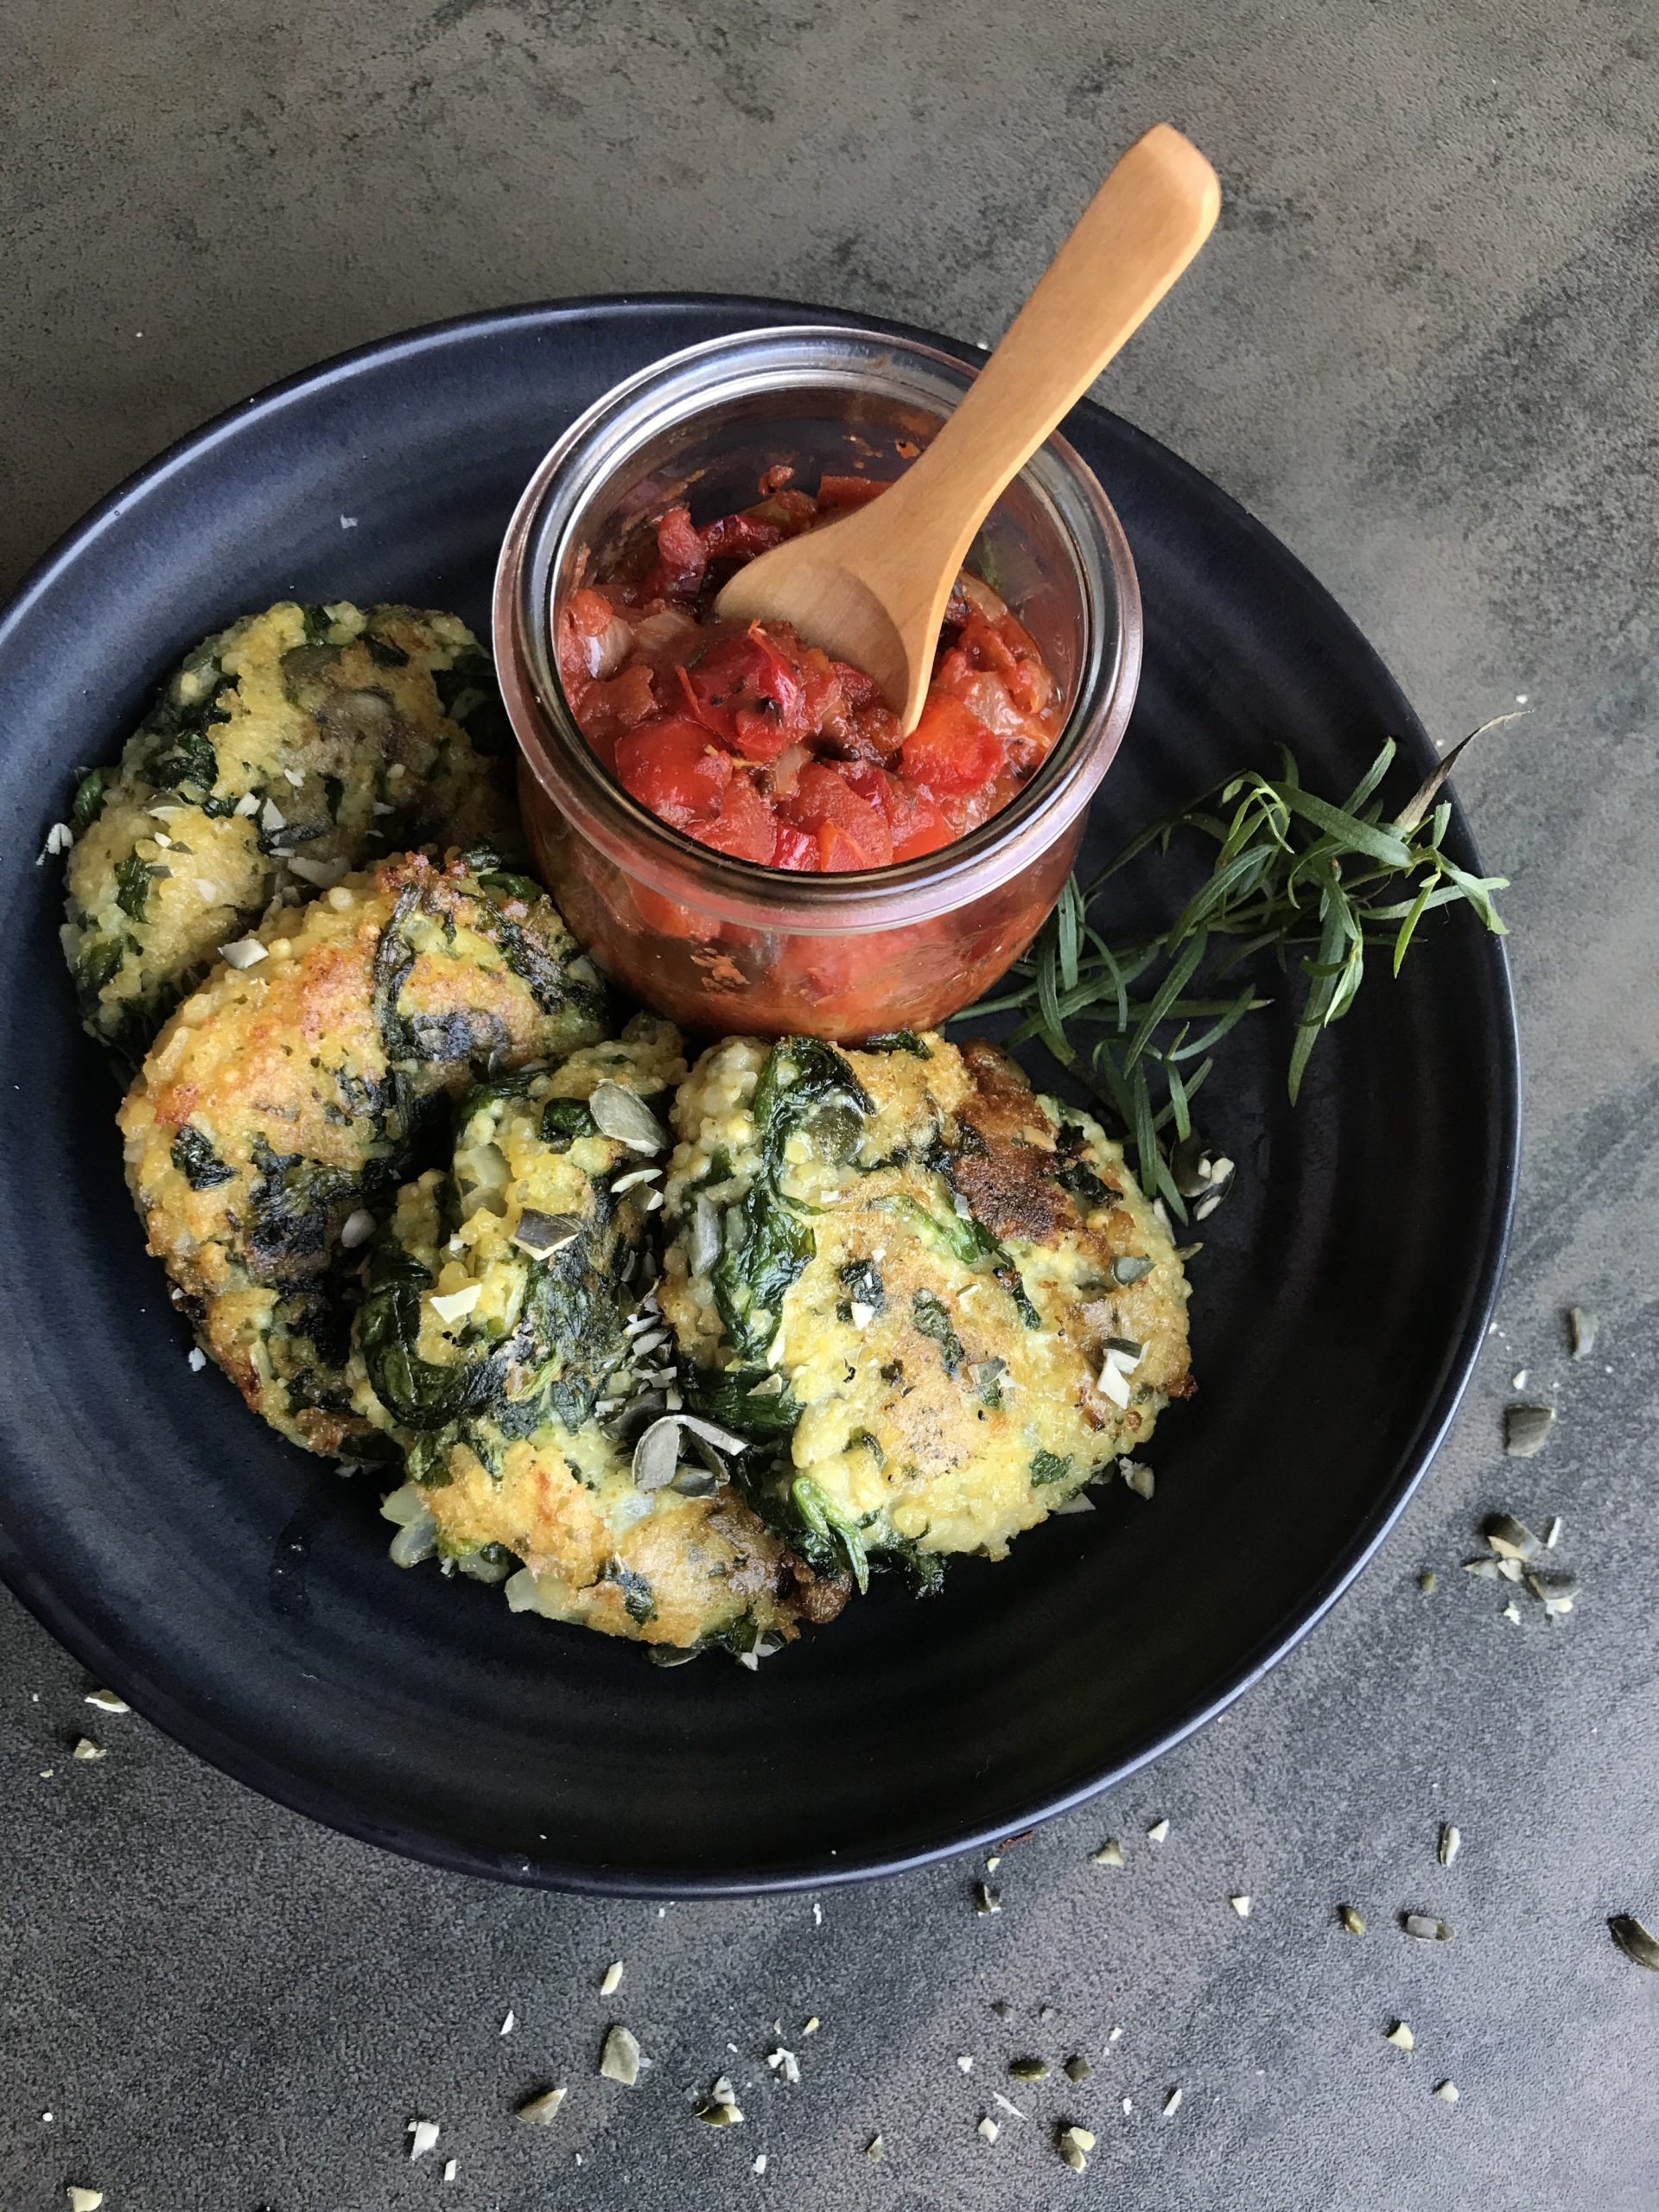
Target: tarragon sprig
[{"x": 1136, "y": 1023}]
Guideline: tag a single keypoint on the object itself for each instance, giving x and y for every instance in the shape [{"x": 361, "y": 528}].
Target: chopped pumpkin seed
[
  {"x": 1353, "y": 1921},
  {"x": 1451, "y": 1842},
  {"x": 1526, "y": 1429},
  {"x": 1109, "y": 1854},
  {"x": 1401, "y": 2035},
  {"x": 619, "y": 2060},
  {"x": 540, "y": 2111},
  {"x": 1637, "y": 1943}
]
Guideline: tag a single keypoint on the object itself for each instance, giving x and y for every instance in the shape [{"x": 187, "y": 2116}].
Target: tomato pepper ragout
[{"x": 759, "y": 746}]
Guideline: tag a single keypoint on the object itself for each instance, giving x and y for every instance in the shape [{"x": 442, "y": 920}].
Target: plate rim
[{"x": 199, "y": 1735}]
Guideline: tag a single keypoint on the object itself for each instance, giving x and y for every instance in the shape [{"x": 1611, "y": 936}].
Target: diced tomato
[
  {"x": 848, "y": 490},
  {"x": 609, "y": 710},
  {"x": 795, "y": 848},
  {"x": 949, "y": 749},
  {"x": 838, "y": 854},
  {"x": 672, "y": 767},
  {"x": 746, "y": 826},
  {"x": 681, "y": 559},
  {"x": 590, "y": 612},
  {"x": 917, "y": 823},
  {"x": 825, "y": 797},
  {"x": 739, "y": 536},
  {"x": 858, "y": 690},
  {"x": 746, "y": 691}
]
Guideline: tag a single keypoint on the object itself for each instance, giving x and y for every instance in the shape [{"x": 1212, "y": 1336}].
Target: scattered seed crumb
[
  {"x": 1158, "y": 1831},
  {"x": 1638, "y": 1943},
  {"x": 1078, "y": 2067},
  {"x": 785, "y": 2064},
  {"x": 84, "y": 2200},
  {"x": 966, "y": 2063},
  {"x": 1423, "y": 1925},
  {"x": 1451, "y": 1842},
  {"x": 1401, "y": 2035},
  {"x": 1128, "y": 2107},
  {"x": 1241, "y": 1906},
  {"x": 86, "y": 1748},
  {"x": 1427, "y": 1580},
  {"x": 509, "y": 2023},
  {"x": 1007, "y": 2104},
  {"x": 611, "y": 1980},
  {"x": 540, "y": 2111},
  {"x": 1553, "y": 1534},
  {"x": 989, "y": 2128},
  {"x": 759, "y": 2165},
  {"x": 620, "y": 2059},
  {"x": 47, "y": 1773},
  {"x": 1046, "y": 2012},
  {"x": 1446, "y": 2092},
  {"x": 1172, "y": 2103},
  {"x": 1526, "y": 1430},
  {"x": 1582, "y": 1329},
  {"x": 1518, "y": 1380},
  {"x": 818, "y": 1916},
  {"x": 813, "y": 2025},
  {"x": 1109, "y": 1854},
  {"x": 986, "y": 1899},
  {"x": 107, "y": 1701},
  {"x": 993, "y": 1862},
  {"x": 1074, "y": 2144},
  {"x": 1354, "y": 1921},
  {"x": 451, "y": 2168},
  {"x": 1114, "y": 2036},
  {"x": 719, "y": 2108},
  {"x": 423, "y": 2137},
  {"x": 1512, "y": 1612},
  {"x": 872, "y": 2150}
]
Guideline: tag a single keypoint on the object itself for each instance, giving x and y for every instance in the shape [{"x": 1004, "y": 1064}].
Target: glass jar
[{"x": 722, "y": 946}]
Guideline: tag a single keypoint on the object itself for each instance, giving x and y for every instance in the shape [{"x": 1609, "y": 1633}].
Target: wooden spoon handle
[{"x": 1130, "y": 243}]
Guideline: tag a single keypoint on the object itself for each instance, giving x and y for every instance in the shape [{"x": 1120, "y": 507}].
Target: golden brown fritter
[
  {"x": 287, "y": 749},
  {"x": 279, "y": 1110},
  {"x": 942, "y": 1298},
  {"x": 508, "y": 1342}
]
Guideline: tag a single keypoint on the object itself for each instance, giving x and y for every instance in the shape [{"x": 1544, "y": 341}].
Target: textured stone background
[{"x": 1423, "y": 349}]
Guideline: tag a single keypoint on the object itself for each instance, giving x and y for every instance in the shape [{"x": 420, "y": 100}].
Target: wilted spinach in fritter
[{"x": 766, "y": 1242}]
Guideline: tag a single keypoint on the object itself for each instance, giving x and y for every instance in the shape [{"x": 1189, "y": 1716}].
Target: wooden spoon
[{"x": 871, "y": 588}]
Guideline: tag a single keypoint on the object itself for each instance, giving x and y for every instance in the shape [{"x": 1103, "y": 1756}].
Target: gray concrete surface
[{"x": 1423, "y": 349}]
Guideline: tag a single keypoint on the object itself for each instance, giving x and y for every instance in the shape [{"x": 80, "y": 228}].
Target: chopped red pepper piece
[
  {"x": 672, "y": 767},
  {"x": 746, "y": 826},
  {"x": 949, "y": 749}
]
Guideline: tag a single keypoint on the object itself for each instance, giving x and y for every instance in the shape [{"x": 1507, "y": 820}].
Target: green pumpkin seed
[
  {"x": 1526, "y": 1429},
  {"x": 1638, "y": 1945}
]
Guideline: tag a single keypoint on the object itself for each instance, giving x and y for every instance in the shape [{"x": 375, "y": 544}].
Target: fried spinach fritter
[
  {"x": 938, "y": 1303},
  {"x": 503, "y": 1343},
  {"x": 278, "y": 1111},
  {"x": 289, "y": 748}
]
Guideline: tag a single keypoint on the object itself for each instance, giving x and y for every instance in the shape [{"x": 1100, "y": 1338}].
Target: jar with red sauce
[{"x": 839, "y": 940}]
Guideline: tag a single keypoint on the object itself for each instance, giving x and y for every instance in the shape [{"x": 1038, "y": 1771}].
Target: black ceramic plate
[{"x": 239, "y": 1593}]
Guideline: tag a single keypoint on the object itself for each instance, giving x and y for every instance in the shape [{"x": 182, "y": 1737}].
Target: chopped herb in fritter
[
  {"x": 196, "y": 1161},
  {"x": 928, "y": 1313}
]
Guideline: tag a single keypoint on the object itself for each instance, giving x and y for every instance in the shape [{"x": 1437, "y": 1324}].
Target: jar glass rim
[{"x": 675, "y": 391}]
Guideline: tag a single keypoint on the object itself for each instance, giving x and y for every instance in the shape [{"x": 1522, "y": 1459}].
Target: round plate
[{"x": 240, "y": 1595}]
